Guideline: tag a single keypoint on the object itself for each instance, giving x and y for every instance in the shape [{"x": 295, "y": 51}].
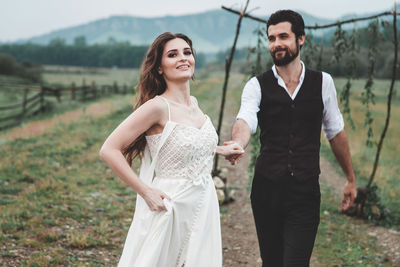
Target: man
[{"x": 290, "y": 103}]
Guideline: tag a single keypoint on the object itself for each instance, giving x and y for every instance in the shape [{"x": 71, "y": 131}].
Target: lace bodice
[{"x": 187, "y": 153}]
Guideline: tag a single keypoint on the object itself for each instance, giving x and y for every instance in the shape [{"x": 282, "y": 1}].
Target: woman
[{"x": 176, "y": 221}]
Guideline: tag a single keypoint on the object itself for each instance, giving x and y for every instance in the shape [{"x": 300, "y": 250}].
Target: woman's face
[{"x": 177, "y": 61}]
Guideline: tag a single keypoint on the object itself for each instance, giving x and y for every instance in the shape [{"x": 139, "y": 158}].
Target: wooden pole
[
  {"x": 57, "y": 92},
  {"x": 228, "y": 64},
  {"x": 84, "y": 89},
  {"x": 389, "y": 101},
  {"x": 24, "y": 102},
  {"x": 315, "y": 26},
  {"x": 94, "y": 90},
  {"x": 73, "y": 90},
  {"x": 41, "y": 99},
  {"x": 115, "y": 87}
]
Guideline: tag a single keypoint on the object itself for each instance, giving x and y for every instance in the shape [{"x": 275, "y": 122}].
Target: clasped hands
[{"x": 232, "y": 151}]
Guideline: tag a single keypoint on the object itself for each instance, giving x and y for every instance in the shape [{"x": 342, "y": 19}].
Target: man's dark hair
[{"x": 290, "y": 16}]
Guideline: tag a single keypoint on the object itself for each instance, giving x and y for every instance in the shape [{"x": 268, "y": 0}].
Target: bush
[
  {"x": 26, "y": 70},
  {"x": 7, "y": 64}
]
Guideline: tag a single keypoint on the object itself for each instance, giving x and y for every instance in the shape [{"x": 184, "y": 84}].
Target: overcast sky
[{"x": 20, "y": 19}]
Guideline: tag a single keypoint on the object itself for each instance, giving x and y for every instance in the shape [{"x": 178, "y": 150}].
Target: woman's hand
[{"x": 154, "y": 199}]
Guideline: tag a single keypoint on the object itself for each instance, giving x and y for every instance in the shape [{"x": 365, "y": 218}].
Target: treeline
[
  {"x": 318, "y": 53},
  {"x": 58, "y": 52}
]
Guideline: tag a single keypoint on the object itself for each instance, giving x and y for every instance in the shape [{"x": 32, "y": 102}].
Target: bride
[{"x": 176, "y": 220}]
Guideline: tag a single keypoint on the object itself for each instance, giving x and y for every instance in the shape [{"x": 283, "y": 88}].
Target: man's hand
[
  {"x": 234, "y": 157},
  {"x": 340, "y": 147},
  {"x": 349, "y": 195}
]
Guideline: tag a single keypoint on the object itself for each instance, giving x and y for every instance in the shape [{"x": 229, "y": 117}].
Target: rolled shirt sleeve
[
  {"x": 332, "y": 120},
  {"x": 250, "y": 104}
]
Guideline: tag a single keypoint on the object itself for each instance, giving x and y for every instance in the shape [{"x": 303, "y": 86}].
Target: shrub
[{"x": 26, "y": 70}]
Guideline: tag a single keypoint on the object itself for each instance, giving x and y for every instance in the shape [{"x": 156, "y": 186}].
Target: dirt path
[{"x": 239, "y": 239}]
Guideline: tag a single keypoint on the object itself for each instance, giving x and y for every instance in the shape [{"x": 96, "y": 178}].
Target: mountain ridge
[{"x": 211, "y": 31}]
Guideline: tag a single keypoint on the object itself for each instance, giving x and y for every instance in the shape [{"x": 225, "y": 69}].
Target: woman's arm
[{"x": 150, "y": 113}]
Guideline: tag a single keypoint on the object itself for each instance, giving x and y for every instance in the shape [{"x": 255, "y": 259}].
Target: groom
[{"x": 290, "y": 103}]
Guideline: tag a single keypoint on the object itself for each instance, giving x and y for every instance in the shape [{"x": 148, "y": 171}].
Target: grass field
[
  {"x": 363, "y": 156},
  {"x": 60, "y": 205},
  {"x": 12, "y": 88},
  {"x": 65, "y": 76}
]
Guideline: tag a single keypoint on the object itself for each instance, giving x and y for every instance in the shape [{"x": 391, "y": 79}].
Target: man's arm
[
  {"x": 340, "y": 147},
  {"x": 246, "y": 120},
  {"x": 241, "y": 134}
]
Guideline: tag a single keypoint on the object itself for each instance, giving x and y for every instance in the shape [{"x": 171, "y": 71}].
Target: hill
[{"x": 211, "y": 31}]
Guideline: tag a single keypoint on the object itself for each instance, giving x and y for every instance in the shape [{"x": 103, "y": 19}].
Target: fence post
[
  {"x": 57, "y": 92},
  {"x": 115, "y": 87},
  {"x": 73, "y": 90},
  {"x": 41, "y": 99},
  {"x": 84, "y": 92},
  {"x": 94, "y": 90},
  {"x": 24, "y": 102}
]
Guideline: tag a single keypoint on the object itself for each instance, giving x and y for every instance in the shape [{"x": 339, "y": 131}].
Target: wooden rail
[{"x": 13, "y": 114}]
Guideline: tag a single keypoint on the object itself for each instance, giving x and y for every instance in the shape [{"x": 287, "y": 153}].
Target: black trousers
[{"x": 286, "y": 213}]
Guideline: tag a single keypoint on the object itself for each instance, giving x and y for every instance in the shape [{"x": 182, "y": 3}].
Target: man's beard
[{"x": 289, "y": 55}]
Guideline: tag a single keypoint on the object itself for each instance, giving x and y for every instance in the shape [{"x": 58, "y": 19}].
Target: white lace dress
[{"x": 189, "y": 231}]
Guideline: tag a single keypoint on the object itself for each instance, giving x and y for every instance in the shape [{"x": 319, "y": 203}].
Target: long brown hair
[{"x": 151, "y": 83}]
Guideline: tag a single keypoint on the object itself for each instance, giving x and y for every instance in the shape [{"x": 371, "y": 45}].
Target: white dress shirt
[{"x": 332, "y": 120}]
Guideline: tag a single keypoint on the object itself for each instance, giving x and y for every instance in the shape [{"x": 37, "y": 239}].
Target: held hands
[
  {"x": 154, "y": 199},
  {"x": 349, "y": 195},
  {"x": 232, "y": 151}
]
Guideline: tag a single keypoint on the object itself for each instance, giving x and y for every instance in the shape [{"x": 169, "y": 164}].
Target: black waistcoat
[{"x": 290, "y": 129}]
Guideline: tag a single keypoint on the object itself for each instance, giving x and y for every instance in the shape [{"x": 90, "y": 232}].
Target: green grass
[
  {"x": 342, "y": 241},
  {"x": 65, "y": 76},
  {"x": 60, "y": 194},
  {"x": 362, "y": 156}
]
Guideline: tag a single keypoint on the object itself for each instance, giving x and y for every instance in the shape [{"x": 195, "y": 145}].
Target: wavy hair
[{"x": 151, "y": 84}]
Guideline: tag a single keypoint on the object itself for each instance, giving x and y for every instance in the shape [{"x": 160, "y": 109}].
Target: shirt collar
[{"x": 301, "y": 76}]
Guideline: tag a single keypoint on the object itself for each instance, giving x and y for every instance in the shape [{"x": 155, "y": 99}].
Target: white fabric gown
[{"x": 189, "y": 231}]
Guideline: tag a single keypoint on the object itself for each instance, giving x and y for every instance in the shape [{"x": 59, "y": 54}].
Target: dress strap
[{"x": 169, "y": 110}]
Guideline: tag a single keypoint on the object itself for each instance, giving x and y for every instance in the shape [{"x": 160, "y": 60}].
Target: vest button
[
  {"x": 290, "y": 152},
  {"x": 292, "y": 105},
  {"x": 291, "y": 174}
]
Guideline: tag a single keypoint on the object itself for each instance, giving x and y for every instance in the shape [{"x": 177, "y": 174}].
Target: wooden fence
[{"x": 13, "y": 115}]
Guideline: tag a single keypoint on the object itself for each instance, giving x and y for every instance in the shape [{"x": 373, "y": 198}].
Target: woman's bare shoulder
[{"x": 155, "y": 105}]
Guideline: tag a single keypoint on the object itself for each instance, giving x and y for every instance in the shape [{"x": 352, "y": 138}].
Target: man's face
[{"x": 283, "y": 46}]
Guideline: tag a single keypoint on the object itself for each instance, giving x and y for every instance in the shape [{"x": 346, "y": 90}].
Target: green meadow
[
  {"x": 363, "y": 156},
  {"x": 60, "y": 205}
]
